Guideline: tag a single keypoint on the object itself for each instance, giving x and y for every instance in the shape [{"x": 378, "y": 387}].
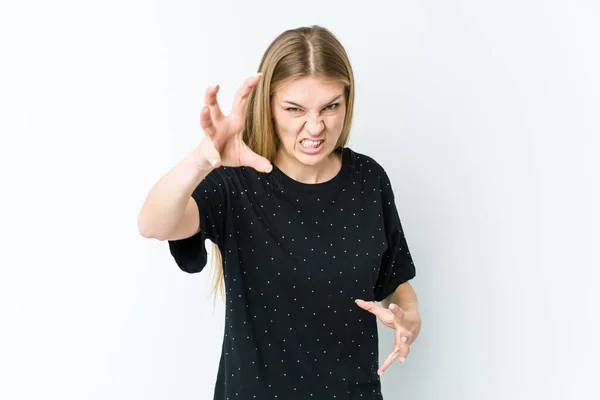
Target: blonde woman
[{"x": 307, "y": 234}]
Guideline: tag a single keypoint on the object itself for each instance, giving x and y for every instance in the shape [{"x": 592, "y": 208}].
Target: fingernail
[
  {"x": 357, "y": 300},
  {"x": 402, "y": 360},
  {"x": 392, "y": 306},
  {"x": 404, "y": 339}
]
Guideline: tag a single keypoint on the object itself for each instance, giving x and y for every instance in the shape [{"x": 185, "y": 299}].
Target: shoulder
[
  {"x": 372, "y": 172},
  {"x": 219, "y": 183},
  {"x": 365, "y": 164},
  {"x": 235, "y": 180},
  {"x": 231, "y": 176}
]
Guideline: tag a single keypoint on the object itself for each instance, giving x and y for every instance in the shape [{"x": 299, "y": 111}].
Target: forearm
[
  {"x": 165, "y": 204},
  {"x": 404, "y": 296}
]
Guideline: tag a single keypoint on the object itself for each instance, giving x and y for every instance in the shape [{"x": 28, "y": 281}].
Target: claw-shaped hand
[{"x": 405, "y": 324}]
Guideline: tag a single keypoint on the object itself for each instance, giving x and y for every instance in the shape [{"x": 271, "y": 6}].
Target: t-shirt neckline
[{"x": 289, "y": 183}]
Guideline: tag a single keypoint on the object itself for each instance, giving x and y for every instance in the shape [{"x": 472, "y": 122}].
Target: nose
[{"x": 315, "y": 125}]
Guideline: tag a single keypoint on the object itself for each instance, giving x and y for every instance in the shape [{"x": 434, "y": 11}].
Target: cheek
[
  {"x": 289, "y": 127},
  {"x": 336, "y": 122}
]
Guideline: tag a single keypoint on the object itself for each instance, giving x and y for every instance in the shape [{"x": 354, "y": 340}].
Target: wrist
[{"x": 199, "y": 161}]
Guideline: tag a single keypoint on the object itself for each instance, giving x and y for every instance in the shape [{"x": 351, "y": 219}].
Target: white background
[{"x": 484, "y": 113}]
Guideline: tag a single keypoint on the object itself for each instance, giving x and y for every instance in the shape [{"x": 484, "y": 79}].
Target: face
[{"x": 309, "y": 116}]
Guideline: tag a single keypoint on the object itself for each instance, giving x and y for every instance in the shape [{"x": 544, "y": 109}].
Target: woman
[{"x": 305, "y": 227}]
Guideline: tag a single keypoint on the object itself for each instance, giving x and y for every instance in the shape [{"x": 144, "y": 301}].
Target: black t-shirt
[{"x": 295, "y": 257}]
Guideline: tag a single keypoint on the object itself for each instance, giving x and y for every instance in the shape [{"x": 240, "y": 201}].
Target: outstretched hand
[
  {"x": 223, "y": 143},
  {"x": 406, "y": 326}
]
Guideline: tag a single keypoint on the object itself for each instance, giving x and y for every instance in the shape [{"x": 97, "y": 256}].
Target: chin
[{"x": 311, "y": 159}]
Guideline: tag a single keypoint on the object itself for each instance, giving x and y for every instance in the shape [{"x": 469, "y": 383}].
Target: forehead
[{"x": 309, "y": 89}]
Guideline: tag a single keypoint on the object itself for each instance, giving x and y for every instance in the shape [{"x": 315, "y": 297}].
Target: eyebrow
[{"x": 298, "y": 105}]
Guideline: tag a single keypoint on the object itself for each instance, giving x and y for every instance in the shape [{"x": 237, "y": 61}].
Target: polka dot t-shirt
[{"x": 295, "y": 258}]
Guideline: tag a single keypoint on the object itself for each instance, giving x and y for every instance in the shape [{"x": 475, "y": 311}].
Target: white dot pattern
[{"x": 295, "y": 258}]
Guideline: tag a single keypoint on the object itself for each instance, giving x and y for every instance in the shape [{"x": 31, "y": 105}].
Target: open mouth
[{"x": 311, "y": 144}]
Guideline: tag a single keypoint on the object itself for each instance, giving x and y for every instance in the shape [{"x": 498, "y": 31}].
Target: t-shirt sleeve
[
  {"x": 190, "y": 254},
  {"x": 397, "y": 264}
]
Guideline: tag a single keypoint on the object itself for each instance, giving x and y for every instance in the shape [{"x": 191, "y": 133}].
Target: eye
[
  {"x": 332, "y": 106},
  {"x": 292, "y": 109}
]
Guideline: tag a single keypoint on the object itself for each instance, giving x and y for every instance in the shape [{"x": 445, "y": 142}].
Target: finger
[
  {"x": 210, "y": 152},
  {"x": 377, "y": 310},
  {"x": 251, "y": 159},
  {"x": 402, "y": 344},
  {"x": 405, "y": 338},
  {"x": 210, "y": 99},
  {"x": 403, "y": 355},
  {"x": 398, "y": 312},
  {"x": 206, "y": 121},
  {"x": 400, "y": 351},
  {"x": 389, "y": 360},
  {"x": 241, "y": 95}
]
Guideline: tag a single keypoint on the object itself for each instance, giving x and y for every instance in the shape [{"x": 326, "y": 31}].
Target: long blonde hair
[{"x": 296, "y": 53}]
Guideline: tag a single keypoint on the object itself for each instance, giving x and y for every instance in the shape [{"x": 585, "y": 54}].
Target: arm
[
  {"x": 406, "y": 321},
  {"x": 404, "y": 297},
  {"x": 169, "y": 211}
]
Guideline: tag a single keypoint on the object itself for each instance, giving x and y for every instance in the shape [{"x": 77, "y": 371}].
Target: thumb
[
  {"x": 210, "y": 153},
  {"x": 259, "y": 163}
]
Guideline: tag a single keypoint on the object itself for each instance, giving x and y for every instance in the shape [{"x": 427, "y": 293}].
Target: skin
[
  {"x": 312, "y": 108},
  {"x": 223, "y": 144},
  {"x": 400, "y": 312},
  {"x": 309, "y": 108}
]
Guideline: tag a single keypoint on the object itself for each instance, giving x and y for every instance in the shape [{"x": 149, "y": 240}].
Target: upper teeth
[{"x": 307, "y": 142}]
